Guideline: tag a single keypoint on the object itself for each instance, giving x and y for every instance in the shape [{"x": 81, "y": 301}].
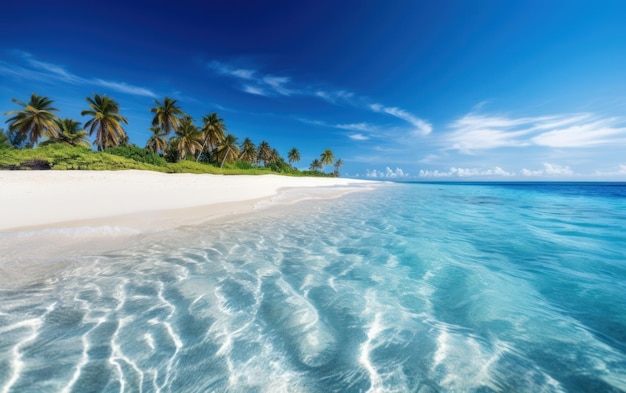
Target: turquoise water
[{"x": 407, "y": 288}]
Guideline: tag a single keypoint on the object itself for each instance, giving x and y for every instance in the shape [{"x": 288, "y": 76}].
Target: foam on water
[{"x": 419, "y": 288}]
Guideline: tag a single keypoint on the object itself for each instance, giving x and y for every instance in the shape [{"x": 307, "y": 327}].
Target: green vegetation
[
  {"x": 70, "y": 133},
  {"x": 138, "y": 154},
  {"x": 63, "y": 157},
  {"x": 191, "y": 149}
]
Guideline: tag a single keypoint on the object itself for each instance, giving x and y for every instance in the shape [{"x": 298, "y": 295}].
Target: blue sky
[{"x": 414, "y": 90}]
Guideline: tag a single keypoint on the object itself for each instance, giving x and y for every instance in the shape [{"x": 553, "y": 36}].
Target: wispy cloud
[
  {"x": 254, "y": 90},
  {"x": 421, "y": 127},
  {"x": 429, "y": 158},
  {"x": 474, "y": 132},
  {"x": 367, "y": 130},
  {"x": 358, "y": 137},
  {"x": 34, "y": 69},
  {"x": 226, "y": 69},
  {"x": 124, "y": 88},
  {"x": 255, "y": 82},
  {"x": 56, "y": 70},
  {"x": 336, "y": 96},
  {"x": 278, "y": 84},
  {"x": 583, "y": 134},
  {"x": 357, "y": 127},
  {"x": 245, "y": 74}
]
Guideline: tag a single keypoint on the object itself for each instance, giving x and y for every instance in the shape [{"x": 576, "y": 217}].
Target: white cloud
[
  {"x": 357, "y": 127},
  {"x": 42, "y": 71},
  {"x": 334, "y": 96},
  {"x": 226, "y": 69},
  {"x": 434, "y": 173},
  {"x": 254, "y": 90},
  {"x": 255, "y": 82},
  {"x": 242, "y": 73},
  {"x": 549, "y": 170},
  {"x": 466, "y": 172},
  {"x": 475, "y": 132},
  {"x": 599, "y": 132},
  {"x": 620, "y": 170},
  {"x": 528, "y": 172},
  {"x": 552, "y": 169},
  {"x": 478, "y": 132},
  {"x": 124, "y": 88},
  {"x": 387, "y": 173},
  {"x": 277, "y": 83},
  {"x": 421, "y": 127},
  {"x": 58, "y": 71},
  {"x": 428, "y": 158},
  {"x": 358, "y": 137}
]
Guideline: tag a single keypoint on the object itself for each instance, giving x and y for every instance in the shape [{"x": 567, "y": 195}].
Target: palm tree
[
  {"x": 213, "y": 128},
  {"x": 338, "y": 163},
  {"x": 105, "y": 121},
  {"x": 248, "y": 151},
  {"x": 70, "y": 133},
  {"x": 35, "y": 120},
  {"x": 187, "y": 140},
  {"x": 157, "y": 143},
  {"x": 265, "y": 152},
  {"x": 315, "y": 165},
  {"x": 167, "y": 115},
  {"x": 275, "y": 156},
  {"x": 227, "y": 150},
  {"x": 327, "y": 157},
  {"x": 293, "y": 155}
]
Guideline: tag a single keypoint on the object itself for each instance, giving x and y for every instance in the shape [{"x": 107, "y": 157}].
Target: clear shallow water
[{"x": 408, "y": 288}]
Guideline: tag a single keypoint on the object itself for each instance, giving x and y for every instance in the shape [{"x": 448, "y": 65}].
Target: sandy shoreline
[
  {"x": 54, "y": 217},
  {"x": 139, "y": 199}
]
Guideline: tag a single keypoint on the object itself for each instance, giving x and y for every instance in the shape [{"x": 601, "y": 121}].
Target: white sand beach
[
  {"x": 56, "y": 214},
  {"x": 140, "y": 199}
]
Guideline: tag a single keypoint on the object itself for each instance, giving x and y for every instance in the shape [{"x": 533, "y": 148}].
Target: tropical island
[
  {"x": 166, "y": 184},
  {"x": 176, "y": 145}
]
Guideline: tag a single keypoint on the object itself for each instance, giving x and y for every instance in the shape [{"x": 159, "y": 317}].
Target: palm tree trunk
[
  {"x": 201, "y": 150},
  {"x": 225, "y": 155}
]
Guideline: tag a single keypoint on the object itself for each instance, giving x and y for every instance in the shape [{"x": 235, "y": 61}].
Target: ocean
[{"x": 404, "y": 288}]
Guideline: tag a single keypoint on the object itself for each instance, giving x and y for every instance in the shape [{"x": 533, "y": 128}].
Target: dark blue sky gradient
[{"x": 521, "y": 89}]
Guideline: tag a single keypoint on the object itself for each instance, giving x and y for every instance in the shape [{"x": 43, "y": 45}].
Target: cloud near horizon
[
  {"x": 45, "y": 72},
  {"x": 547, "y": 170},
  {"x": 387, "y": 173},
  {"x": 620, "y": 170},
  {"x": 465, "y": 172}
]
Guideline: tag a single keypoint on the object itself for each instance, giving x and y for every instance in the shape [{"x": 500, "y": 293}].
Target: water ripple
[{"x": 409, "y": 288}]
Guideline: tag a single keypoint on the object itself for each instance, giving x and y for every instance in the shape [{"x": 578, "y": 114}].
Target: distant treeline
[{"x": 175, "y": 136}]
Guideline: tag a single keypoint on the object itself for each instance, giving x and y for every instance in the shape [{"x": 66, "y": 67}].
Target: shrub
[
  {"x": 280, "y": 166},
  {"x": 138, "y": 154},
  {"x": 243, "y": 165}
]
